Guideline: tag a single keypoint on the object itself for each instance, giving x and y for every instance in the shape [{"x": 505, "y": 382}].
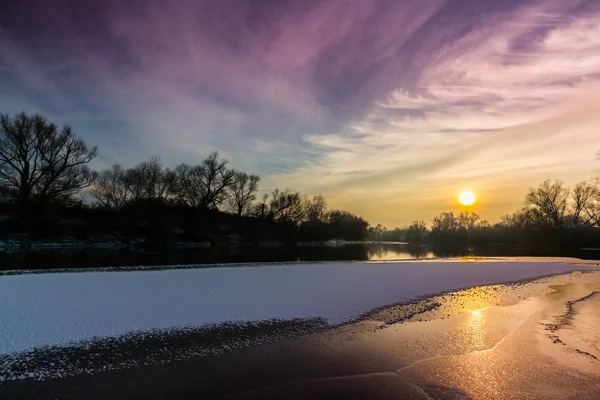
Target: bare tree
[
  {"x": 468, "y": 220},
  {"x": 287, "y": 206},
  {"x": 217, "y": 180},
  {"x": 316, "y": 209},
  {"x": 206, "y": 185},
  {"x": 189, "y": 187},
  {"x": 445, "y": 222},
  {"x": 416, "y": 232},
  {"x": 110, "y": 188},
  {"x": 243, "y": 193},
  {"x": 147, "y": 181},
  {"x": 584, "y": 209},
  {"x": 261, "y": 209},
  {"x": 519, "y": 220},
  {"x": 548, "y": 204},
  {"x": 282, "y": 206},
  {"x": 40, "y": 161}
]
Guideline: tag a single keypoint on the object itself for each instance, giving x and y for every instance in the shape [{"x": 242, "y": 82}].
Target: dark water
[{"x": 93, "y": 258}]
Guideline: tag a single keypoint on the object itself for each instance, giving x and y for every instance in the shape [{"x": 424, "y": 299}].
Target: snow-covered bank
[
  {"x": 66, "y": 243},
  {"x": 61, "y": 244},
  {"x": 55, "y": 309}
]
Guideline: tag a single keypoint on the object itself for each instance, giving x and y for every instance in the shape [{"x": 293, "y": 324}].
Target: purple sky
[{"x": 388, "y": 108}]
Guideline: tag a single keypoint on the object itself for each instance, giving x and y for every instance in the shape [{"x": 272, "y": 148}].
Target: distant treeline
[
  {"x": 48, "y": 191},
  {"x": 552, "y": 216}
]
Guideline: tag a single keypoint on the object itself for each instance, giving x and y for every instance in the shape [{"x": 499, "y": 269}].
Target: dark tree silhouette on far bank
[
  {"x": 145, "y": 184},
  {"x": 40, "y": 162},
  {"x": 206, "y": 185},
  {"x": 242, "y": 190},
  {"x": 281, "y": 206},
  {"x": 44, "y": 169},
  {"x": 548, "y": 204}
]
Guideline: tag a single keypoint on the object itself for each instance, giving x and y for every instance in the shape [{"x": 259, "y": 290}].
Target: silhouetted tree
[
  {"x": 417, "y": 232},
  {"x": 468, "y": 220},
  {"x": 281, "y": 206},
  {"x": 206, "y": 185},
  {"x": 548, "y": 204},
  {"x": 146, "y": 183},
  {"x": 243, "y": 193},
  {"x": 110, "y": 188},
  {"x": 445, "y": 222},
  {"x": 316, "y": 210},
  {"x": 448, "y": 232},
  {"x": 584, "y": 209},
  {"x": 377, "y": 232},
  {"x": 39, "y": 161},
  {"x": 519, "y": 220},
  {"x": 345, "y": 225}
]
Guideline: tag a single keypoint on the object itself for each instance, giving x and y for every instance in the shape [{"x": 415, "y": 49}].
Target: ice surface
[{"x": 55, "y": 309}]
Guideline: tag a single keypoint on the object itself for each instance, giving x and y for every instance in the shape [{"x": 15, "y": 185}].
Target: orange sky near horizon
[{"x": 387, "y": 108}]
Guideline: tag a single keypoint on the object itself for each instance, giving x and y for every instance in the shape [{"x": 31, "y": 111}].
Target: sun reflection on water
[
  {"x": 477, "y": 313},
  {"x": 476, "y": 329}
]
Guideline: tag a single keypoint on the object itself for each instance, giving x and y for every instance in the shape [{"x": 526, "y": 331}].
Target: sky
[{"x": 387, "y": 108}]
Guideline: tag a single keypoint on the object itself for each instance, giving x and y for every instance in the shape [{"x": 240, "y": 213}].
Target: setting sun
[{"x": 466, "y": 198}]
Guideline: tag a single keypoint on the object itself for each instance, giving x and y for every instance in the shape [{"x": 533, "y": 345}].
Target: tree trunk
[{"x": 23, "y": 203}]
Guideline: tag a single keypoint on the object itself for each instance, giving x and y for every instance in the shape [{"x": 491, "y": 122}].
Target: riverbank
[
  {"x": 77, "y": 258},
  {"x": 66, "y": 243},
  {"x": 494, "y": 341}
]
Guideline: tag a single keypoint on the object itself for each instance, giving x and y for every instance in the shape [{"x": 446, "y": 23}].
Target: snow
[
  {"x": 44, "y": 244},
  {"x": 194, "y": 244},
  {"x": 39, "y": 310}
]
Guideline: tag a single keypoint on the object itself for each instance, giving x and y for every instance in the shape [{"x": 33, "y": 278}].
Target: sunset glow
[
  {"x": 365, "y": 102},
  {"x": 264, "y": 185}
]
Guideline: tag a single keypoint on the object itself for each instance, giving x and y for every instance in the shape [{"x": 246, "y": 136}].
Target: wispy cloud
[
  {"x": 500, "y": 105},
  {"x": 377, "y": 104}
]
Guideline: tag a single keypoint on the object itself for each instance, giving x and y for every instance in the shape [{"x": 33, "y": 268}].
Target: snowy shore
[{"x": 64, "y": 308}]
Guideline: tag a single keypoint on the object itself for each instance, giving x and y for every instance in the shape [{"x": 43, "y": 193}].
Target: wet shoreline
[{"x": 400, "y": 347}]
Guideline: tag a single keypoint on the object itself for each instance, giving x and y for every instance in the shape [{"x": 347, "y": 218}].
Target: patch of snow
[
  {"x": 106, "y": 244},
  {"x": 194, "y": 244},
  {"x": 44, "y": 244},
  {"x": 39, "y": 310},
  {"x": 9, "y": 243}
]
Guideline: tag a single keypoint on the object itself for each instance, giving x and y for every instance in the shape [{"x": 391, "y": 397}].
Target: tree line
[
  {"x": 45, "y": 179},
  {"x": 47, "y": 186},
  {"x": 552, "y": 215}
]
